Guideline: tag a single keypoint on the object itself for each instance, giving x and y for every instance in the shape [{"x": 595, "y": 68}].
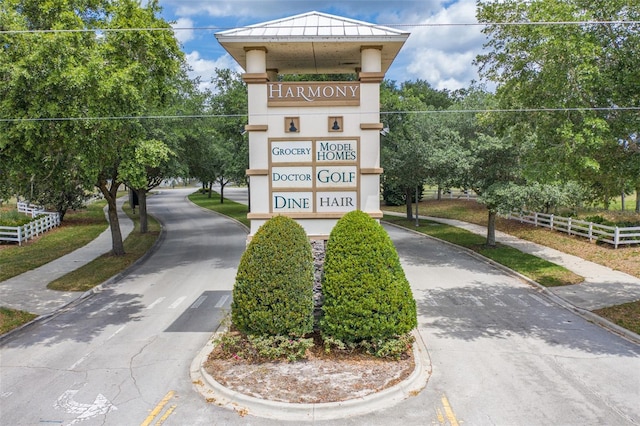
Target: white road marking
[
  {"x": 78, "y": 362},
  {"x": 116, "y": 332},
  {"x": 177, "y": 302},
  {"x": 222, "y": 301},
  {"x": 157, "y": 302},
  {"x": 198, "y": 302},
  {"x": 103, "y": 309},
  {"x": 100, "y": 406}
]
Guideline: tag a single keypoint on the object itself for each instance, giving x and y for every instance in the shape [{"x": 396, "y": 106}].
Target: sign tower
[{"x": 314, "y": 147}]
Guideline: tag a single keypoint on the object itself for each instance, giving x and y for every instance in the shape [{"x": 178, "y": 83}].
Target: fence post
[
  {"x": 616, "y": 237},
  {"x": 569, "y": 226},
  {"x": 535, "y": 219},
  {"x": 551, "y": 221},
  {"x": 19, "y": 235},
  {"x": 590, "y": 231}
]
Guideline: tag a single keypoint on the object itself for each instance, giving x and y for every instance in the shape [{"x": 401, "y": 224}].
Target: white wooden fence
[
  {"x": 609, "y": 234},
  {"x": 30, "y": 209},
  {"x": 451, "y": 194},
  {"x": 46, "y": 221}
]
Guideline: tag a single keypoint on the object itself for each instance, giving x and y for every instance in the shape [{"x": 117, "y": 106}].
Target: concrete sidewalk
[
  {"x": 601, "y": 288},
  {"x": 28, "y": 292}
]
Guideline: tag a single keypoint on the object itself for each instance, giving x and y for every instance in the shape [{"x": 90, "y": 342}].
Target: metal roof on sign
[{"x": 313, "y": 42}]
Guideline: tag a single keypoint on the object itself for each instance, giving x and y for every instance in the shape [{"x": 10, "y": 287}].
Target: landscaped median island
[{"x": 360, "y": 344}]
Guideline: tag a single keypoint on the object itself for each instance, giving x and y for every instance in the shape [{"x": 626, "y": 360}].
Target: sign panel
[
  {"x": 336, "y": 151},
  {"x": 317, "y": 176},
  {"x": 292, "y": 202},
  {"x": 292, "y": 177},
  {"x": 336, "y": 202},
  {"x": 313, "y": 93},
  {"x": 291, "y": 151},
  {"x": 336, "y": 177}
]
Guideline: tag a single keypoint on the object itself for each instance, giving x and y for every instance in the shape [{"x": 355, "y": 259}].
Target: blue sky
[{"x": 442, "y": 55}]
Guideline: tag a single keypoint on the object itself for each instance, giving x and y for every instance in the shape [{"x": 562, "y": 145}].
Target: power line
[
  {"x": 196, "y": 116},
  {"x": 426, "y": 24}
]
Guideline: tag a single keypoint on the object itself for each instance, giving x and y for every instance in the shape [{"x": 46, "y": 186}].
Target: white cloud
[
  {"x": 443, "y": 70},
  {"x": 443, "y": 54},
  {"x": 206, "y": 69},
  {"x": 186, "y": 33},
  {"x": 440, "y": 53}
]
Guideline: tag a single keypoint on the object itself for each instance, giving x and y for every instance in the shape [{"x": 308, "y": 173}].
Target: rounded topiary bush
[
  {"x": 273, "y": 292},
  {"x": 366, "y": 294}
]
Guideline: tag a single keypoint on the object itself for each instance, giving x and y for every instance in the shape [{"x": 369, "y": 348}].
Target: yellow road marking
[
  {"x": 449, "y": 412},
  {"x": 158, "y": 408},
  {"x": 166, "y": 415}
]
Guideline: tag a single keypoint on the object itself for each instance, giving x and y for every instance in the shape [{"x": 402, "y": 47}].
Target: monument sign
[{"x": 314, "y": 147}]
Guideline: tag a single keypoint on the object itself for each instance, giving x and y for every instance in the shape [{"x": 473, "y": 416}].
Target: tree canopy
[
  {"x": 71, "y": 100},
  {"x": 580, "y": 79}
]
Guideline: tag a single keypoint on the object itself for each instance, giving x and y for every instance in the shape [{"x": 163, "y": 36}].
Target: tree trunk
[
  {"x": 142, "y": 205},
  {"x": 209, "y": 191},
  {"x": 408, "y": 194},
  {"x": 439, "y": 197},
  {"x": 622, "y": 200},
  {"x": 222, "y": 185},
  {"x": 638, "y": 198},
  {"x": 110, "y": 194},
  {"x": 491, "y": 229}
]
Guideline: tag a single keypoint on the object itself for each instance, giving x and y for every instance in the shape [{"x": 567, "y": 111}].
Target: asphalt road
[{"x": 500, "y": 352}]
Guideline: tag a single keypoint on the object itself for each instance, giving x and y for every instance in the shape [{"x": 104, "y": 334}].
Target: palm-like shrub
[
  {"x": 273, "y": 292},
  {"x": 366, "y": 294}
]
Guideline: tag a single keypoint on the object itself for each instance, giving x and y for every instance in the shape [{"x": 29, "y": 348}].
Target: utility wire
[
  {"x": 427, "y": 24},
  {"x": 195, "y": 116}
]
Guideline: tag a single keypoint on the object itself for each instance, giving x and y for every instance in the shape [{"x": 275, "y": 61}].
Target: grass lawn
[
  {"x": 78, "y": 228},
  {"x": 626, "y": 315},
  {"x": 229, "y": 208},
  {"x": 11, "y": 318},
  {"x": 106, "y": 266},
  {"x": 625, "y": 259},
  {"x": 543, "y": 272}
]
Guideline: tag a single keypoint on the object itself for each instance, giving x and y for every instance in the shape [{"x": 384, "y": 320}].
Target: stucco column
[
  {"x": 256, "y": 79},
  {"x": 256, "y": 59},
  {"x": 370, "y": 77},
  {"x": 371, "y": 58}
]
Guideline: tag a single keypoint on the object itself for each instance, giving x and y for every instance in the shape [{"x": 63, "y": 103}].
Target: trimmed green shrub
[
  {"x": 366, "y": 294},
  {"x": 14, "y": 218},
  {"x": 273, "y": 292}
]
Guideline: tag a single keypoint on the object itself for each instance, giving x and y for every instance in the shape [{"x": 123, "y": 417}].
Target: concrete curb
[
  {"x": 216, "y": 393},
  {"x": 588, "y": 315}
]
